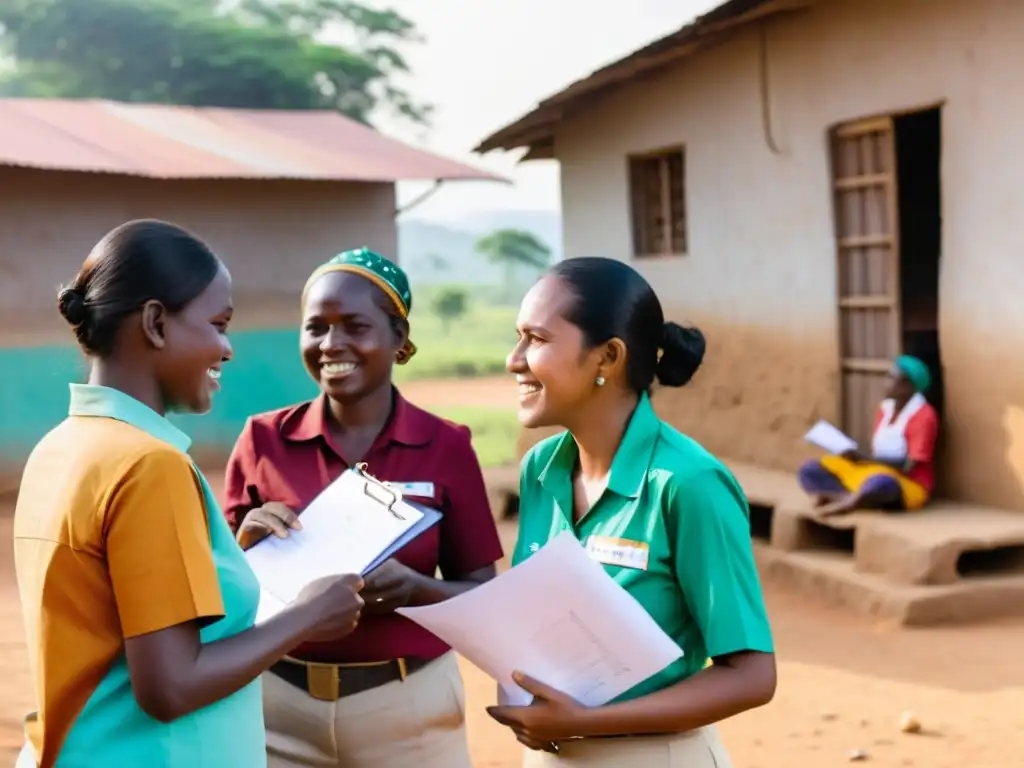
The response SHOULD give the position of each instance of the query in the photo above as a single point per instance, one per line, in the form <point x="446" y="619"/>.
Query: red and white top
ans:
<point x="908" y="435"/>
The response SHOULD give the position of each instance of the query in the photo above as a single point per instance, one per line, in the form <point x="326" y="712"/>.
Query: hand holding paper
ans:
<point x="390" y="586"/>
<point x="272" y="518"/>
<point x="338" y="605"/>
<point x="552" y="717"/>
<point x="353" y="526"/>
<point x="559" y="618"/>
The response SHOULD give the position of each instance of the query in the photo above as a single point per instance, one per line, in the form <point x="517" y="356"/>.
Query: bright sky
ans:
<point x="488" y="62"/>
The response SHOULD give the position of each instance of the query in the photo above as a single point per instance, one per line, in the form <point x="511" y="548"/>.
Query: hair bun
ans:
<point x="72" y="308"/>
<point x="682" y="353"/>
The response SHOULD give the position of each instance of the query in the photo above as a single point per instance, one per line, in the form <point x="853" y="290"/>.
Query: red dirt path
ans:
<point x="843" y="686"/>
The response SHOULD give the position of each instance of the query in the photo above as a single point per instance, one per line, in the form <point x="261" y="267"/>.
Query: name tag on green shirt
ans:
<point x="622" y="552"/>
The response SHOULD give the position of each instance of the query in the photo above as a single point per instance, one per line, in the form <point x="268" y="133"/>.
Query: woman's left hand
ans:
<point x="390" y="586"/>
<point x="552" y="717"/>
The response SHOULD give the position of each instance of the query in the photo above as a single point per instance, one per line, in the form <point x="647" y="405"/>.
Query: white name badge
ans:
<point x="622" y="552"/>
<point x="420" y="490"/>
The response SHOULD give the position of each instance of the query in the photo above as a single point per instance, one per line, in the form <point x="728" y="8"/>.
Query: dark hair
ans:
<point x="612" y="300"/>
<point x="138" y="262"/>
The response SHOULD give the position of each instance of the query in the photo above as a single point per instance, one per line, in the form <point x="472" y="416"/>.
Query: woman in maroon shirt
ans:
<point x="389" y="694"/>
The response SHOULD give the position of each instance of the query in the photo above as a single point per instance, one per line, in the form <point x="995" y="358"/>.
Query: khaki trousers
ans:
<point x="696" y="749"/>
<point x="415" y="723"/>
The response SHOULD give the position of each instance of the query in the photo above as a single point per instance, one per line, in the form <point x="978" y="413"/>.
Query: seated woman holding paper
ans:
<point x="666" y="519"/>
<point x="139" y="606"/>
<point x="390" y="694"/>
<point x="900" y="473"/>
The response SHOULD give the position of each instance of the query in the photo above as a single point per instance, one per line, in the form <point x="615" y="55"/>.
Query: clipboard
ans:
<point x="352" y="526"/>
<point x="389" y="495"/>
<point x="431" y="517"/>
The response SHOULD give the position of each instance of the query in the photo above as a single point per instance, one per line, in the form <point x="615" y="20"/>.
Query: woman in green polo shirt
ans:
<point x="665" y="518"/>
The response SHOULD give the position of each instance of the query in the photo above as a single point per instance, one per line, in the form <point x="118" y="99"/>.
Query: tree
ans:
<point x="514" y="249"/>
<point x="261" y="54"/>
<point x="449" y="304"/>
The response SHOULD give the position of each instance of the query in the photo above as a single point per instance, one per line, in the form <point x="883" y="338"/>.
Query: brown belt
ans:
<point x="330" y="682"/>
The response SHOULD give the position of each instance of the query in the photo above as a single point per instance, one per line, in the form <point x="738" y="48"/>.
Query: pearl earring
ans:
<point x="599" y="381"/>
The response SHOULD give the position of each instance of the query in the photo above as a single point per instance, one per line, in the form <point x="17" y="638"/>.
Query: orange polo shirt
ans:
<point x="111" y="542"/>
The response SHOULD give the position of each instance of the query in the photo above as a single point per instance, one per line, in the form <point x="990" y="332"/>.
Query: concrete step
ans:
<point x="833" y="578"/>
<point x="941" y="544"/>
<point x="944" y="544"/>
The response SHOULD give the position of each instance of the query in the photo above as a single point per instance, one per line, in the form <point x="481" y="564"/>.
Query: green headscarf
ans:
<point x="916" y="371"/>
<point x="383" y="273"/>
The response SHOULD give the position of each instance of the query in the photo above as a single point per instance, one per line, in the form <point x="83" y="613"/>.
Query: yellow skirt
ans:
<point x="853" y="474"/>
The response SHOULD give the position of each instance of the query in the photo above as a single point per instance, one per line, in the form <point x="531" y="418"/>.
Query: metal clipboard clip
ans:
<point x="376" y="489"/>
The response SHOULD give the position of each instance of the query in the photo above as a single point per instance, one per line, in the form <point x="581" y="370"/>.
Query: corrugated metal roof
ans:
<point x="536" y="129"/>
<point x="168" y="142"/>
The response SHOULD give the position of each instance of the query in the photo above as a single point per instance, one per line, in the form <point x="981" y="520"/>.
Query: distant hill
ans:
<point x="435" y="252"/>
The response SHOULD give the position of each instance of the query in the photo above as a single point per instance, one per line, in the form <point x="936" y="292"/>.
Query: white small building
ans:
<point x="819" y="185"/>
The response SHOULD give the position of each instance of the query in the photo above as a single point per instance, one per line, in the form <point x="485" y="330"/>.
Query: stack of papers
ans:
<point x="346" y="529"/>
<point x="558" y="617"/>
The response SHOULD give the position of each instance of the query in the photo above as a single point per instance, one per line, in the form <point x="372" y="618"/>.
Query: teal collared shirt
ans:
<point x="112" y="730"/>
<point x="672" y="527"/>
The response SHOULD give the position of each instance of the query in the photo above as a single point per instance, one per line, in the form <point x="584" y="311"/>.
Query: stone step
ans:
<point x="942" y="544"/>
<point x="832" y="578"/>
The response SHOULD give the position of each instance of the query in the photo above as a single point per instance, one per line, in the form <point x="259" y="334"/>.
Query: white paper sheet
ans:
<point x="269" y="606"/>
<point x="831" y="438"/>
<point x="344" y="530"/>
<point x="559" y="618"/>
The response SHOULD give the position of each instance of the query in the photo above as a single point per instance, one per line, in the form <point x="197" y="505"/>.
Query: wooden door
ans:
<point x="867" y="246"/>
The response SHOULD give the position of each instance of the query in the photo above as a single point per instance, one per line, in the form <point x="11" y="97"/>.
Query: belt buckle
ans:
<point x="323" y="681"/>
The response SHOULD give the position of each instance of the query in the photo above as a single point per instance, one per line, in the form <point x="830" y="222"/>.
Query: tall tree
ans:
<point x="267" y="54"/>
<point x="514" y="249"/>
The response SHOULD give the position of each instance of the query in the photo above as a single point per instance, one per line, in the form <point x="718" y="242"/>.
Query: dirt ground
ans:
<point x="843" y="683"/>
<point x="491" y="392"/>
<point x="843" y="687"/>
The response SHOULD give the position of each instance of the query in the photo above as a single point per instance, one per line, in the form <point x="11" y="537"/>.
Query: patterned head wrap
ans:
<point x="385" y="274"/>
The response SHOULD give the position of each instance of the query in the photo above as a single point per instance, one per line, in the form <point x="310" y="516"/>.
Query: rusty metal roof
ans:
<point x="168" y="142"/>
<point x="536" y="129"/>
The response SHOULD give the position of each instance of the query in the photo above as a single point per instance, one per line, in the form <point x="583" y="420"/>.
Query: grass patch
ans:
<point x="475" y="345"/>
<point x="495" y="431"/>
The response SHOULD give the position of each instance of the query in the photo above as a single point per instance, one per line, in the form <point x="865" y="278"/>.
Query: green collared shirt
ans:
<point x="673" y="528"/>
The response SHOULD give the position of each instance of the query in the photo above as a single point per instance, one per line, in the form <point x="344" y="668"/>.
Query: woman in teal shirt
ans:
<point x="665" y="518"/>
<point x="139" y="605"/>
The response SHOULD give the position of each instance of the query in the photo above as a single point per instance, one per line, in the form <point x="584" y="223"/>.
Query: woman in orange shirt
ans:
<point x="139" y="606"/>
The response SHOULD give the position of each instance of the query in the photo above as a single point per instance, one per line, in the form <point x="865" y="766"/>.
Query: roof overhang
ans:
<point x="164" y="142"/>
<point x="536" y="129"/>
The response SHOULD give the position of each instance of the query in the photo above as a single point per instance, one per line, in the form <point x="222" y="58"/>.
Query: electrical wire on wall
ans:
<point x="764" y="84"/>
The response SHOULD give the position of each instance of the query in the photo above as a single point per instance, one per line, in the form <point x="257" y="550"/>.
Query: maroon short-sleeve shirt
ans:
<point x="288" y="457"/>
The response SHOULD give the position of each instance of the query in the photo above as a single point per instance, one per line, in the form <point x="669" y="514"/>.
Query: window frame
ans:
<point x="640" y="163"/>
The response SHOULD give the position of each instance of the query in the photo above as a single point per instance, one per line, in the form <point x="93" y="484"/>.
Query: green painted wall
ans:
<point x="266" y="373"/>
